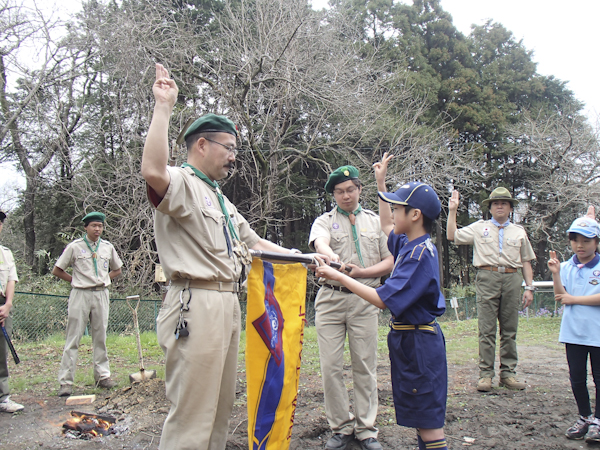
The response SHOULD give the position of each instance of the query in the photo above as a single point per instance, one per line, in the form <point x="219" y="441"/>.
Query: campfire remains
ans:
<point x="87" y="425"/>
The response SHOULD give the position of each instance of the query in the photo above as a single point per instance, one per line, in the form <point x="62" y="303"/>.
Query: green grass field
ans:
<point x="40" y="360"/>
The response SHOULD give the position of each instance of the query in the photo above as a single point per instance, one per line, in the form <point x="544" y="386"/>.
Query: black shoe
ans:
<point x="370" y="444"/>
<point x="65" y="390"/>
<point x="338" y="441"/>
<point x="106" y="383"/>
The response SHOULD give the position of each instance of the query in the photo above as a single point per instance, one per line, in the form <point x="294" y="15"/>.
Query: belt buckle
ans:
<point x="501" y="269"/>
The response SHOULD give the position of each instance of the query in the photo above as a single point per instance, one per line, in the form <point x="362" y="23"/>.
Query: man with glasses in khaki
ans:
<point x="351" y="235"/>
<point x="202" y="242"/>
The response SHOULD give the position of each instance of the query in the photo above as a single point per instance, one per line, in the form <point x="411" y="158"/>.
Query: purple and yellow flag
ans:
<point x="275" y="318"/>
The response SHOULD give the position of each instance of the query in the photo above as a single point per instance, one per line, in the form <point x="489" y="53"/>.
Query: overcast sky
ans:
<point x="562" y="34"/>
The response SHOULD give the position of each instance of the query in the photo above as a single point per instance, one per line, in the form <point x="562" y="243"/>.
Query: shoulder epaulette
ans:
<point x="370" y="213"/>
<point x="517" y="225"/>
<point x="418" y="251"/>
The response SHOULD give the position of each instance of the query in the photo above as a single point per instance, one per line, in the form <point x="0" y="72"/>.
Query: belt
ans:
<point x="498" y="269"/>
<point x="93" y="288"/>
<point x="399" y="326"/>
<point x="222" y="286"/>
<point x="338" y="288"/>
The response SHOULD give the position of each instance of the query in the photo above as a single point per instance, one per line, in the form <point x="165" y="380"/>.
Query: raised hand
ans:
<point x="380" y="168"/>
<point x="591" y="212"/>
<point x="553" y="263"/>
<point x="453" y="201"/>
<point x="165" y="89"/>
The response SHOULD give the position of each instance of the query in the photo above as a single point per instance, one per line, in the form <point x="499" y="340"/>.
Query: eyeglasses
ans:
<point x="230" y="148"/>
<point x="349" y="191"/>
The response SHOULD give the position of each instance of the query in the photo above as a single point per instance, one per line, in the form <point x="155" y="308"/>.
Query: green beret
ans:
<point x="340" y="175"/>
<point x="93" y="217"/>
<point x="211" y="123"/>
<point x="500" y="193"/>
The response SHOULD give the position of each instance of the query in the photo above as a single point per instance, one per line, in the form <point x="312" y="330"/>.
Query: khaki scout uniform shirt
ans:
<point x="78" y="255"/>
<point x="189" y="230"/>
<point x="8" y="270"/>
<point x="484" y="236"/>
<point x="336" y="226"/>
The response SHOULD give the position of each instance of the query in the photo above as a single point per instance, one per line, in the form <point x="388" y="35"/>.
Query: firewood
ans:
<point x="81" y="399"/>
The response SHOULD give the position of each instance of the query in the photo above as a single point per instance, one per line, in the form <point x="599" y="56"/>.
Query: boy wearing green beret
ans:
<point x="95" y="263"/>
<point x="202" y="243"/>
<point x="352" y="235"/>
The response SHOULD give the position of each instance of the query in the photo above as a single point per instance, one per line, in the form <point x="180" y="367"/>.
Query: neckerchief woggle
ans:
<point x="228" y="223"/>
<point x="93" y="250"/>
<point x="354" y="233"/>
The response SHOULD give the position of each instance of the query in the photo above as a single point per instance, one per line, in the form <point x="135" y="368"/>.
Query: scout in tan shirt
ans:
<point x="95" y="263"/>
<point x="352" y="235"/>
<point x="500" y="249"/>
<point x="8" y="279"/>
<point x="202" y="244"/>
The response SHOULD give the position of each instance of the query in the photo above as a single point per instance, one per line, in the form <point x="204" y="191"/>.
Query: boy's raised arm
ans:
<point x="385" y="212"/>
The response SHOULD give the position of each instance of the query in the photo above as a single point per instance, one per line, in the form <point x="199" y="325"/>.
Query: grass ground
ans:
<point x="461" y="341"/>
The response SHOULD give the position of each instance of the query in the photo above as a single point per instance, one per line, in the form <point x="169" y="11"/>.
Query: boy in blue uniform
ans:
<point x="412" y="293"/>
<point x="577" y="286"/>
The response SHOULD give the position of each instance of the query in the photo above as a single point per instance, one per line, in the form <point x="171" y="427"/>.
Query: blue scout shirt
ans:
<point x="412" y="292"/>
<point x="581" y="323"/>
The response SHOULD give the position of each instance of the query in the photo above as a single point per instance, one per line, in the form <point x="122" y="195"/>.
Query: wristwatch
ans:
<point x="530" y="288"/>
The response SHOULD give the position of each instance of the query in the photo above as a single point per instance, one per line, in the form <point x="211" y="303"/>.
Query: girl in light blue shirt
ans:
<point x="577" y="286"/>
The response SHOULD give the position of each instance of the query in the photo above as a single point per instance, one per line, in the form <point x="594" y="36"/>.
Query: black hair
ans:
<point x="356" y="182"/>
<point x="573" y="237"/>
<point x="193" y="138"/>
<point x="427" y="222"/>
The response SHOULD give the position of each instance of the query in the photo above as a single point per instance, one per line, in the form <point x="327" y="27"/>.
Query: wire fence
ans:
<point x="38" y="316"/>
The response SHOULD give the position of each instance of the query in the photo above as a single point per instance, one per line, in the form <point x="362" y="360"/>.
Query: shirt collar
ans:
<point x="498" y="224"/>
<point x="589" y="264"/>
<point x="409" y="246"/>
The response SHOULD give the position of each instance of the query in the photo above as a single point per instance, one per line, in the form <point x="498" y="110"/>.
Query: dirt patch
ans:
<point x="502" y="419"/>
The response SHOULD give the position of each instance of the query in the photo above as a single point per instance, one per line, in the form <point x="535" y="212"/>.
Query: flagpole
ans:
<point x="289" y="257"/>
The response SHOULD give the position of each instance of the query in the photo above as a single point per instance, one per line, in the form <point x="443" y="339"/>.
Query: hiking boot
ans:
<point x="338" y="441"/>
<point x="593" y="433"/>
<point x="512" y="383"/>
<point x="106" y="383"/>
<point x="580" y="428"/>
<point x="484" y="384"/>
<point x="370" y="444"/>
<point x="65" y="390"/>
<point x="11" y="407"/>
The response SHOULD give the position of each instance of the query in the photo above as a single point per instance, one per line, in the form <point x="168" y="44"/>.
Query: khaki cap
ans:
<point x="500" y="193"/>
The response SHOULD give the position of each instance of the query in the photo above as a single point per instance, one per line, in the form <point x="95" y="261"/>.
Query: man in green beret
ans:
<point x="500" y="250"/>
<point x="8" y="280"/>
<point x="202" y="243"/>
<point x="352" y="235"/>
<point x="95" y="263"/>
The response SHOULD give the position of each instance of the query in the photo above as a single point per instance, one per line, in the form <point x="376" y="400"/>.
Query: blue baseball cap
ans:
<point x="586" y="227"/>
<point x="416" y="195"/>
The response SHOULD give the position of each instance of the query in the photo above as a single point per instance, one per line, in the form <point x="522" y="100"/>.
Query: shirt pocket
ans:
<point x="512" y="249"/>
<point x="214" y="234"/>
<point x="369" y="243"/>
<point x="4" y="274"/>
<point x="339" y="241"/>
<point x="488" y="246"/>
<point x="84" y="264"/>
